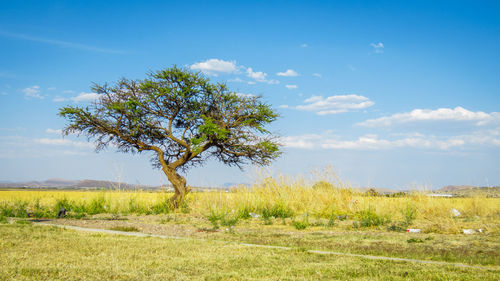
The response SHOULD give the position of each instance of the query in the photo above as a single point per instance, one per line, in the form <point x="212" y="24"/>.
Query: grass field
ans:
<point x="274" y="212"/>
<point x="30" y="252"/>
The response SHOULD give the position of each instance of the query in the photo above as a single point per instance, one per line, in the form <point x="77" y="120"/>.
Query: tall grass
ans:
<point x="270" y="198"/>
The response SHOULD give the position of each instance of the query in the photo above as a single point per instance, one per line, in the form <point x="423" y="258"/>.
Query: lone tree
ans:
<point x="182" y="118"/>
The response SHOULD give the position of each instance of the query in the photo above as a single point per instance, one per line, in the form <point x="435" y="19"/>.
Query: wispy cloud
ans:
<point x="318" y="75"/>
<point x="378" y="48"/>
<point x="457" y="114"/>
<point x="215" y="66"/>
<point x="260" y="76"/>
<point x="85" y="97"/>
<point x="32" y="92"/>
<point x="373" y="142"/>
<point x="53" y="131"/>
<point x="64" y="44"/>
<point x="64" y="142"/>
<point x="304" y="45"/>
<point x="334" y="104"/>
<point x="291" y="87"/>
<point x="288" y="73"/>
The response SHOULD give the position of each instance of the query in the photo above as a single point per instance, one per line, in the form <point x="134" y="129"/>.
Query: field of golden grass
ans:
<point x="273" y="198"/>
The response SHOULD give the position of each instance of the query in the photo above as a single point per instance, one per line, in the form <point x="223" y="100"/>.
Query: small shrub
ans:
<point x="6" y="210"/>
<point x="277" y="211"/>
<point x="409" y="214"/>
<point x="61" y="203"/>
<point x="97" y="205"/>
<point x="244" y="213"/>
<point x="3" y="219"/>
<point x="162" y="207"/>
<point x="214" y="217"/>
<point x="368" y="218"/>
<point x="300" y="225"/>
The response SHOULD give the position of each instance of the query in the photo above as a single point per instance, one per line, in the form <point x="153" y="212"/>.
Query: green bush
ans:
<point x="97" y="205"/>
<point x="368" y="218"/>
<point x="300" y="225"/>
<point x="409" y="214"/>
<point x="278" y="210"/>
<point x="162" y="207"/>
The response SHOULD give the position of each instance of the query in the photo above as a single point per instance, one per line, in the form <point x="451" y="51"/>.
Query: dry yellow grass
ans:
<point x="295" y="198"/>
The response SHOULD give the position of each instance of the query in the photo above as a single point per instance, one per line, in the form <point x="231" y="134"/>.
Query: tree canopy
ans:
<point x="182" y="118"/>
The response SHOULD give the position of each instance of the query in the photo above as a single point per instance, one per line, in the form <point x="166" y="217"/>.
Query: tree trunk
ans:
<point x="179" y="184"/>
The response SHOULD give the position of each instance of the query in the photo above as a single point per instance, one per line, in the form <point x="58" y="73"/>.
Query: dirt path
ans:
<point x="139" y="234"/>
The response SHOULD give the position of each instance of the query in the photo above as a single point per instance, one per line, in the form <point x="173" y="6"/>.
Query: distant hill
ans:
<point x="467" y="190"/>
<point x="74" y="184"/>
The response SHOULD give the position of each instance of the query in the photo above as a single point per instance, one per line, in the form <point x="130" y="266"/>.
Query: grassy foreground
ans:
<point x="30" y="252"/>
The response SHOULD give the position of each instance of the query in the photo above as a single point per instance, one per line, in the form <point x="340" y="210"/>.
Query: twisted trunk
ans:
<point x="179" y="184"/>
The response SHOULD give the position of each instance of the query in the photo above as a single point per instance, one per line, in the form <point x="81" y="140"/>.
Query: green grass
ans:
<point x="30" y="252"/>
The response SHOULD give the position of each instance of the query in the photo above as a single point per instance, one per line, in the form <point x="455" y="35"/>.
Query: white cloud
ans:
<point x="457" y="114"/>
<point x="257" y="75"/>
<point x="53" y="131"/>
<point x="32" y="92"/>
<point x="288" y="73"/>
<point x="335" y="104"/>
<point x="64" y="142"/>
<point x="215" y="66"/>
<point x="378" y="47"/>
<point x="318" y="75"/>
<point x="373" y="142"/>
<point x="308" y="141"/>
<point x="291" y="87"/>
<point x="85" y="97"/>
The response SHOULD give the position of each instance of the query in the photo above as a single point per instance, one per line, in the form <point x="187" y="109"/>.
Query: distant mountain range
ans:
<point x="101" y="184"/>
<point x="74" y="184"/>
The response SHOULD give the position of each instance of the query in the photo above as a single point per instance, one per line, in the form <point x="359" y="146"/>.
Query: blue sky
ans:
<point x="388" y="93"/>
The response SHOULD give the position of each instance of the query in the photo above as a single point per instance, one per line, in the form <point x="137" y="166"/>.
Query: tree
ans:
<point x="181" y="118"/>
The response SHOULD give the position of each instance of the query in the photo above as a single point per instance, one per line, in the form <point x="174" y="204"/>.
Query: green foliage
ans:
<point x="368" y="218"/>
<point x="409" y="214"/>
<point x="3" y="219"/>
<point x="162" y="207"/>
<point x="300" y="225"/>
<point x="415" y="240"/>
<point x="98" y="205"/>
<point x="278" y="210"/>
<point x="228" y="219"/>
